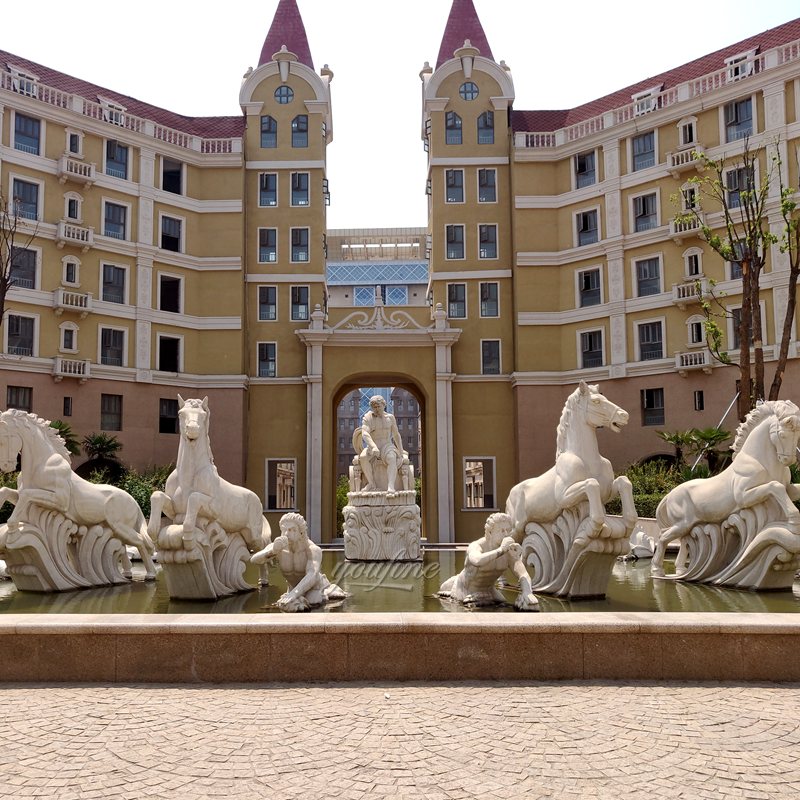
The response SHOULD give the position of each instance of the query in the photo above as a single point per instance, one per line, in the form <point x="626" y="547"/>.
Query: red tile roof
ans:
<point x="462" y="24"/>
<point x="287" y="29"/>
<point x="541" y="121"/>
<point x="204" y="127"/>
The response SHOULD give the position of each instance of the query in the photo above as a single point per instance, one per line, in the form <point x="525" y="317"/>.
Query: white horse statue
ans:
<point x="740" y="528"/>
<point x="214" y="524"/>
<point x="64" y="533"/>
<point x="560" y="516"/>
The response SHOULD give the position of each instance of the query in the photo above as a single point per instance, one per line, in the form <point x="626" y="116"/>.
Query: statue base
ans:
<point x="50" y="553"/>
<point x="206" y="565"/>
<point x="379" y="526"/>
<point x="569" y="559"/>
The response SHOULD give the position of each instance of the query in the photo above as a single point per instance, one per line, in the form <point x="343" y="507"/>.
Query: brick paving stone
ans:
<point x="600" y="741"/>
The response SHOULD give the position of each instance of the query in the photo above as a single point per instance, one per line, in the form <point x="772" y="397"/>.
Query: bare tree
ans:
<point x="16" y="234"/>
<point x="745" y="240"/>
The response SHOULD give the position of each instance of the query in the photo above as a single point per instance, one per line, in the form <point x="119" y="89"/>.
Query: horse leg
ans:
<point x="622" y="486"/>
<point x="57" y="500"/>
<point x="758" y="494"/>
<point x="199" y="503"/>
<point x="674" y="532"/>
<point x="160" y="503"/>
<point x="590" y="489"/>
<point x="127" y="567"/>
<point x="125" y="531"/>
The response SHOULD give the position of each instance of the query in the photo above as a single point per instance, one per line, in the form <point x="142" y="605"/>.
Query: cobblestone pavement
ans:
<point x="469" y="740"/>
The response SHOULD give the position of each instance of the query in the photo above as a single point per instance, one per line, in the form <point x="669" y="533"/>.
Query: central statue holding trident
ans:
<point x="382" y="442"/>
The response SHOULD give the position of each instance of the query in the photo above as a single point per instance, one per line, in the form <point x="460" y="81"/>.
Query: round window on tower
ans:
<point x="468" y="91"/>
<point x="284" y="95"/>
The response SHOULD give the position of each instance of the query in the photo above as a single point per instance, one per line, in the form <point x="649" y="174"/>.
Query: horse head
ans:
<point x="785" y="432"/>
<point x="599" y="411"/>
<point x="193" y="418"/>
<point x="10" y="444"/>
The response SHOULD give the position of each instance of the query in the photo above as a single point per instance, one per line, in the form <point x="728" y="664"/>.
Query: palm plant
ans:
<point x="101" y="446"/>
<point x="679" y="440"/>
<point x="70" y="439"/>
<point x="705" y="442"/>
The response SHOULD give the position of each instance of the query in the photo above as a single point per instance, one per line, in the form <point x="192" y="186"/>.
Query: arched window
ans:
<point x="269" y="132"/>
<point x="300" y="131"/>
<point x="453" y="126"/>
<point x="486" y="128"/>
<point x="284" y="95"/>
<point x="468" y="91"/>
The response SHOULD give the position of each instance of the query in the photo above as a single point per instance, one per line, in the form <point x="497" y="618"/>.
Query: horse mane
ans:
<point x="51" y="434"/>
<point x="563" y="424"/>
<point x="779" y="408"/>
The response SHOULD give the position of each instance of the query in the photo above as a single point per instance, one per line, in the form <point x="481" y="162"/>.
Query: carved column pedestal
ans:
<point x="382" y="527"/>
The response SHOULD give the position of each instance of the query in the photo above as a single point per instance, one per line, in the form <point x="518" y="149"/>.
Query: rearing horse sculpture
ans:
<point x="215" y="524"/>
<point x="561" y="514"/>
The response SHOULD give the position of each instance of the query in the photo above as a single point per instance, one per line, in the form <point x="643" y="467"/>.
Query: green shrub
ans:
<point x="342" y="488"/>
<point x="7" y="479"/>
<point x="646" y="504"/>
<point x="141" y="487"/>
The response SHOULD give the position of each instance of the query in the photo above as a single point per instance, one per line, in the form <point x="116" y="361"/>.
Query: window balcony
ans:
<point x="680" y="229"/>
<point x="71" y="169"/>
<point x="685" y="160"/>
<point x="696" y="360"/>
<point x="75" y="235"/>
<point x="71" y="368"/>
<point x="66" y="300"/>
<point x="685" y="294"/>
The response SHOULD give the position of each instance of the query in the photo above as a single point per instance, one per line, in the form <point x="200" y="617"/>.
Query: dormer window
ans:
<point x="646" y="101"/>
<point x="284" y="95"/>
<point x="742" y="65"/>
<point x="113" y="112"/>
<point x="468" y="91"/>
<point x="23" y="82"/>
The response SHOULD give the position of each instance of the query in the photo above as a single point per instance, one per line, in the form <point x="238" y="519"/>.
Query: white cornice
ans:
<point x="286" y="277"/>
<point x="299" y="164"/>
<point x="472" y="161"/>
<point x="277" y="381"/>
<point x="484" y="275"/>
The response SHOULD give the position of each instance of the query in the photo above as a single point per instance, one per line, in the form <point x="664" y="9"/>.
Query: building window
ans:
<point x="169" y="295"/>
<point x="490" y="305"/>
<point x="351" y="406"/>
<point x="23" y="83"/>
<point x="591" y="349"/>
<point x="644" y="151"/>
<point x="479" y="483"/>
<point x="26" y="134"/>
<point x="739" y="181"/>
<point x="300" y="303"/>
<point x="699" y="402"/>
<point x="363" y="296"/>
<point x="74" y="145"/>
<point x="651" y="345"/>
<point x="585" y="174"/>
<point x="69" y="337"/>
<point x="171" y="176"/>
<point x="115" y="220"/>
<point x="488" y="241"/>
<point x="299" y="244"/>
<point x="490" y="357"/>
<point x="736" y="266"/>
<point x="468" y="91"/>
<point x="267" y="245"/>
<point x="736" y="326"/>
<point x="113" y="113"/>
<point x="116" y="159"/>
<point x="299" y="188"/>
<point x="487" y="186"/>
<point x="457" y="300"/>
<point x="455" y="241"/>
<point x="587" y="227"/>
<point x="648" y="277"/>
<point x="167" y="416"/>
<point x="696" y="332"/>
<point x="171" y="234"/>
<point x="693" y="264"/>
<point x="19" y="397"/>
<point x="113" y="284"/>
<point x="267" y="303"/>
<point x="67" y="409"/>
<point x="269" y="132"/>
<point x="70" y="272"/>
<point x="454" y="180"/>
<point x="396" y="296"/>
<point x="281" y="479"/>
<point x="688" y="131"/>
<point x="268" y="186"/>
<point x="267" y="360"/>
<point x="452" y="124"/>
<point x="111" y="412"/>
<point x="644" y="210"/>
<point x="73" y="208"/>
<point x="300" y="131"/>
<point x="486" y="128"/>
<point x="20" y="335"/>
<point x="26" y="199"/>
<point x="689" y="198"/>
<point x="284" y="95"/>
<point x="23" y="268"/>
<point x="169" y="354"/>
<point x="738" y="120"/>
<point x="589" y="288"/>
<point x="652" y="406"/>
<point x="112" y="347"/>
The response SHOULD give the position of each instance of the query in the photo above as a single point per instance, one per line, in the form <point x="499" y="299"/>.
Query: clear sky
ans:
<point x="190" y="57"/>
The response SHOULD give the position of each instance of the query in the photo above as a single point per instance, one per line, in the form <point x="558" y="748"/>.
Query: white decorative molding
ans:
<point x="616" y="279"/>
<point x="144" y="280"/>
<point x="146" y="220"/>
<point x="469" y="162"/>
<point x="142" y="345"/>
<point x="273" y="165"/>
<point x="618" y="339"/>
<point x="291" y="277"/>
<point x="475" y="274"/>
<point x="613" y="216"/>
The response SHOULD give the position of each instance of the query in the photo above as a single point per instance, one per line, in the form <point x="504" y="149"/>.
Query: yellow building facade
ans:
<point x="159" y="254"/>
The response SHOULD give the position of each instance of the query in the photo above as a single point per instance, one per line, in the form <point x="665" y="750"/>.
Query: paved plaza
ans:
<point x="470" y="740"/>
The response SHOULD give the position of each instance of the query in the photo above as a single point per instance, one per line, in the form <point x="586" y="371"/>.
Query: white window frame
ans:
<point x="573" y="171"/>
<point x="682" y="143"/>
<point x="73" y="132"/>
<point x="125" y="339"/>
<point x="68" y="326"/>
<point x="736" y="167"/>
<point x="629" y="151"/>
<point x="500" y="355"/>
<point x="299" y="172"/>
<point x="258" y="368"/>
<point x="77" y="262"/>
<point x="72" y="196"/>
<point x="129" y="174"/>
<point x="291" y="252"/>
<point x="578" y="273"/>
<point x="635" y="274"/>
<point x="164" y="335"/>
<point x="111" y="108"/>
<point x="19" y="74"/>
<point x="42" y="132"/>
<point x="277" y="190"/>
<point x="12" y="176"/>
<point x="496" y="240"/>
<point x="160" y="274"/>
<point x="182" y="220"/>
<point x="310" y="309"/>
<point x="637" y="324"/>
<point x="466" y="298"/>
<point x="104" y="201"/>
<point x="277" y="238"/>
<point x="641" y="100"/>
<point x="126" y="267"/>
<point x="463" y="242"/>
<point x="480" y="302"/>
<point x="693" y="251"/>
<point x="183" y="176"/>
<point x="277" y="301"/>
<point x="723" y="128"/>
<point x="266" y="484"/>
<point x="733" y="62"/>
<point x="16" y="313"/>
<point x="464" y="460"/>
<point x="693" y="320"/>
<point x="37" y="281"/>
<point x="652" y="190"/>
<point x="463" y="186"/>
<point x="578" y="345"/>
<point x="575" y="215"/>
<point x="478" y="186"/>
<point x="685" y="208"/>
<point x="730" y="331"/>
